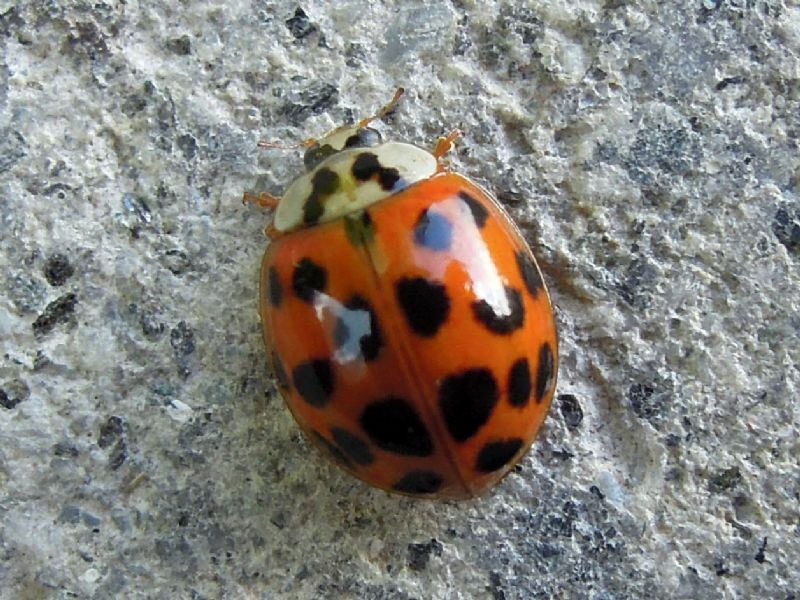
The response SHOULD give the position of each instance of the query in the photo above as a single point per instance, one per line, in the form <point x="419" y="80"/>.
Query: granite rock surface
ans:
<point x="648" y="150"/>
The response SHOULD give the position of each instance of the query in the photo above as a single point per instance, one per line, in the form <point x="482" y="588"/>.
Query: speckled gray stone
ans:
<point x="649" y="151"/>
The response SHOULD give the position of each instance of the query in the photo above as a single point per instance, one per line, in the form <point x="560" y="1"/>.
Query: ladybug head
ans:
<point x="349" y="136"/>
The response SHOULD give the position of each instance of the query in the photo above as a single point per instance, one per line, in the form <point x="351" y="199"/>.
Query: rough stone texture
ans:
<point x="650" y="151"/>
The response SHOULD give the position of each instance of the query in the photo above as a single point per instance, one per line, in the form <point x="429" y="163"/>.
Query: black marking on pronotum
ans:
<point x="323" y="183"/>
<point x="366" y="166"/>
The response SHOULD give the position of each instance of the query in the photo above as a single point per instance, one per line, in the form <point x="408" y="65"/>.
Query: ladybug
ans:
<point x="405" y="318"/>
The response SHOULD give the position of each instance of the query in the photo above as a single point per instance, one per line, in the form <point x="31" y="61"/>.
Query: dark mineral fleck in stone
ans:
<point x="6" y="402"/>
<point x="725" y="480"/>
<point x="314" y="100"/>
<point x="110" y="431"/>
<point x="646" y="401"/>
<point x="419" y="554"/>
<point x="57" y="312"/>
<point x="181" y="338"/>
<point x="299" y="25"/>
<point x="118" y="455"/>
<point x="57" y="270"/>
<point x="786" y="227"/>
<point x="182" y="46"/>
<point x="571" y="410"/>
<point x="65" y="449"/>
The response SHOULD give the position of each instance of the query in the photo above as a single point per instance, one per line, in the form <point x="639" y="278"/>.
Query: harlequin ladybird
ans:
<point x="406" y="320"/>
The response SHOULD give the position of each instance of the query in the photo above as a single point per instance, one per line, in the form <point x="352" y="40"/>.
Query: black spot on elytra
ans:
<point x="58" y="311"/>
<point x="352" y="446"/>
<point x="571" y="410"/>
<point x="323" y="183"/>
<point x="467" y="400"/>
<point x="275" y="289"/>
<point x="393" y="425"/>
<point x="308" y="279"/>
<point x="479" y="212"/>
<point x="419" y="554"/>
<point x="280" y="372"/>
<point x="519" y="383"/>
<point x="57" y="270"/>
<point x="332" y="449"/>
<point x="544" y="372"/>
<point x="786" y="227"/>
<point x="530" y="274"/>
<point x="366" y="166"/>
<point x="433" y="231"/>
<point x="313" y="380"/>
<point x="358" y="324"/>
<point x="505" y="322"/>
<point x="424" y="303"/>
<point x="419" y="482"/>
<point x="496" y="455"/>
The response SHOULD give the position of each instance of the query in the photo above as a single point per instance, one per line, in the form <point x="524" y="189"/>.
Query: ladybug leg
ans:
<point x="445" y="144"/>
<point x="263" y="199"/>
<point x="271" y="232"/>
<point x="279" y="146"/>
<point x="385" y="110"/>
